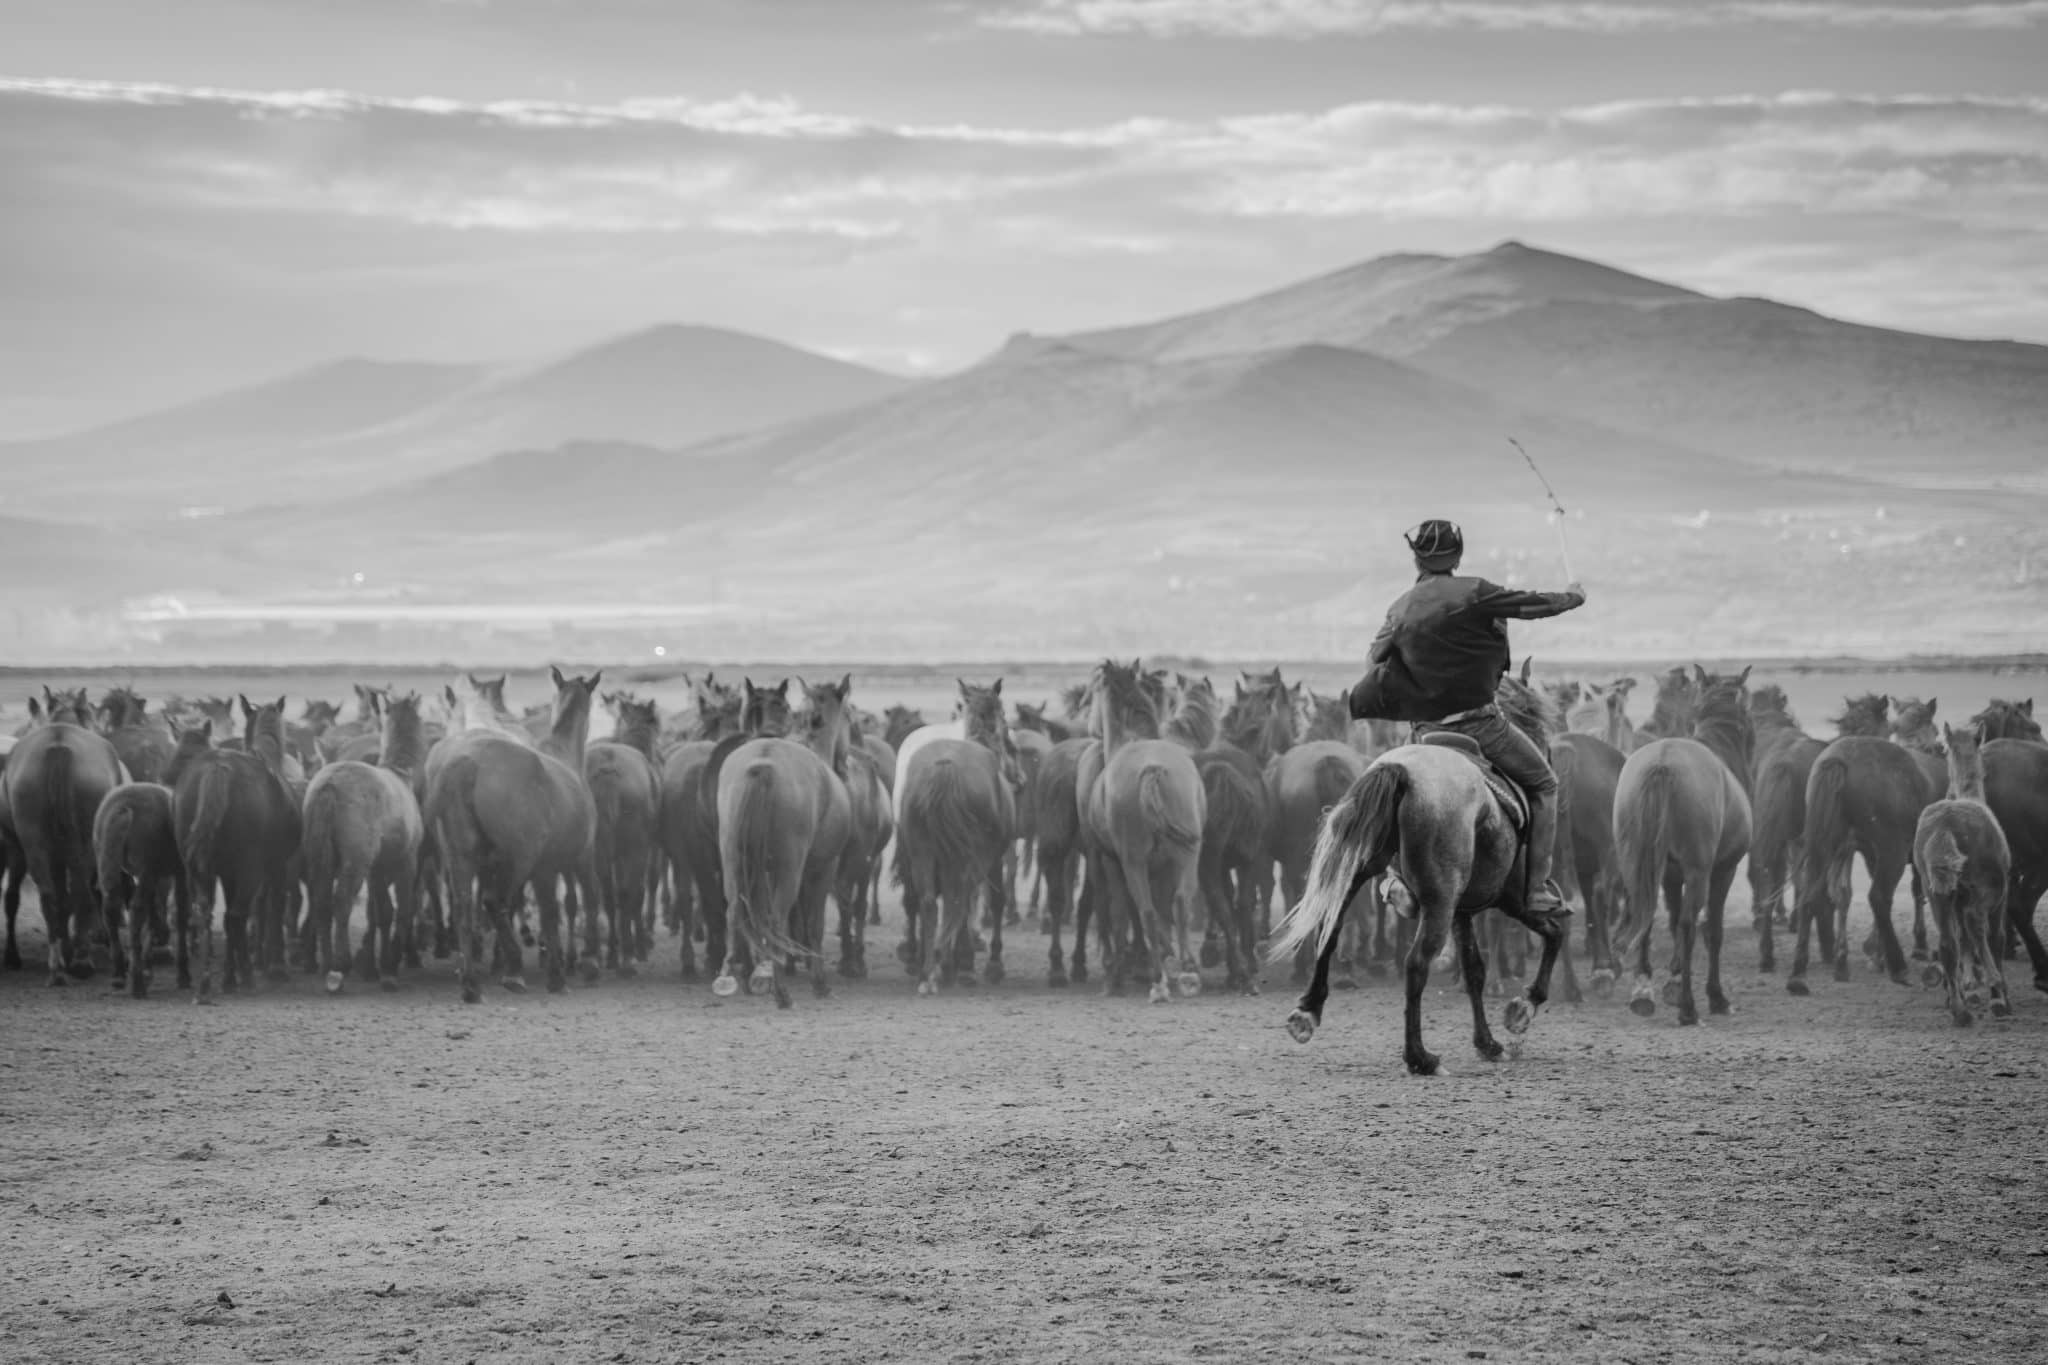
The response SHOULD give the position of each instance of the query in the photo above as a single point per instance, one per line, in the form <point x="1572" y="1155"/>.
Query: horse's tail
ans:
<point x="1358" y="839"/>
<point x="750" y="869"/>
<point x="1780" y="818"/>
<point x="320" y="840"/>
<point x="209" y="816"/>
<point x="450" y="795"/>
<point x="1166" y="812"/>
<point x="1642" y="836"/>
<point x="1943" y="861"/>
<point x="111" y="832"/>
<point x="60" y="805"/>
<point x="952" y="828"/>
<point x="1236" y="815"/>
<point x="1829" y="840"/>
<point x="1332" y="778"/>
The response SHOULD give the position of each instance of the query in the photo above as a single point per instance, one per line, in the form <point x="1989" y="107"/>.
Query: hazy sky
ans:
<point x="208" y="192"/>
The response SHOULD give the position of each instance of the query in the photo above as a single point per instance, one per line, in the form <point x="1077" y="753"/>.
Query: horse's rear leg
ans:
<point x="1977" y="935"/>
<point x="1693" y="904"/>
<point x="1430" y="932"/>
<point x="1717" y="918"/>
<point x="1308" y="1010"/>
<point x="1884" y="886"/>
<point x="549" y="898"/>
<point x="12" y="868"/>
<point x="1472" y="962"/>
<point x="1005" y="891"/>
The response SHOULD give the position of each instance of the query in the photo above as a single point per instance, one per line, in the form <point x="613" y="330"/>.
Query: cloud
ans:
<point x="217" y="225"/>
<point x="1322" y="18"/>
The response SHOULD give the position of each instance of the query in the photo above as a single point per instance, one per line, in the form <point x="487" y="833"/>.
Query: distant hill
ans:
<point x="1745" y="378"/>
<point x="333" y="430"/>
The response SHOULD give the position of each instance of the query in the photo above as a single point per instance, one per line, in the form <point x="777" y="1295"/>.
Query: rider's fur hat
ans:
<point x="1437" y="544"/>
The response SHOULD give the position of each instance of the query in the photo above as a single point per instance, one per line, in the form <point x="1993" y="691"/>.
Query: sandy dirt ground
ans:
<point x="638" y="1171"/>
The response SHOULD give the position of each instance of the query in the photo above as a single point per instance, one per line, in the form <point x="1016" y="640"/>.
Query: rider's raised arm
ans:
<point x="1518" y="605"/>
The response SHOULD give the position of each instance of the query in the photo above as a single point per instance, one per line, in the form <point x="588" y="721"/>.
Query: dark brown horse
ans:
<point x="508" y="816"/>
<point x="625" y="790"/>
<point x="238" y="827"/>
<point x="869" y="769"/>
<point x="143" y="741"/>
<point x="56" y="776"/>
<point x="1142" y="805"/>
<point x="135" y="845"/>
<point x="1961" y="856"/>
<point x="362" y="833"/>
<point x="784" y="819"/>
<point x="1682" y="824"/>
<point x="2016" y="789"/>
<point x="1782" y="765"/>
<point x="959" y="819"/>
<point x="1671" y="713"/>
<point x="1864" y="797"/>
<point x="1062" y="855"/>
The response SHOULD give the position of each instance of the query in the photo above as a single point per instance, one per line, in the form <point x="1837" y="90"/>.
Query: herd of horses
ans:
<point x="1151" y="811"/>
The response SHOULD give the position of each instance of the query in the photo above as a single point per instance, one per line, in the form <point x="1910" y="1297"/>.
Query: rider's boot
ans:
<point x="1543" y="899"/>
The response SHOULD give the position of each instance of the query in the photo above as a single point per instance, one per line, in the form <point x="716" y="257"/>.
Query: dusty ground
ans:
<point x="639" y="1172"/>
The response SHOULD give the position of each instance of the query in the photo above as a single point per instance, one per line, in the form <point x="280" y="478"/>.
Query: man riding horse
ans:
<point x="1438" y="661"/>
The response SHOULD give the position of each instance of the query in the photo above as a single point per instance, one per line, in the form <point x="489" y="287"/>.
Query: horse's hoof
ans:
<point x="1081" y="979"/>
<point x="820" y="987"/>
<point x="205" y="998"/>
<point x="2000" y="1010"/>
<point x="57" y="979"/>
<point x="993" y="973"/>
<point x="589" y="971"/>
<point x="388" y="985"/>
<point x="1671" y="991"/>
<point x="514" y="984"/>
<point x="1767" y="967"/>
<point x="1642" y="1006"/>
<point x="1603" y="984"/>
<point x="1719" y="1007"/>
<point x="138" y="989"/>
<point x="1842" y="971"/>
<point x="1301" y="1026"/>
<point x="782" y="1000"/>
<point x="1920" y="954"/>
<point x="1932" y="975"/>
<point x="1489" y="1051"/>
<point x="1797" y="986"/>
<point x="333" y="983"/>
<point x="1211" y="955"/>
<point x="1518" y="1015"/>
<point x="627" y="970"/>
<point x="724" y="984"/>
<point x="763" y="973"/>
<point x="2041" y="983"/>
<point x="1963" y="1018"/>
<point x="1159" y="994"/>
<point x="471" y="995"/>
<point x="161" y="957"/>
<point x="1421" y="1063"/>
<point x="1190" y="983"/>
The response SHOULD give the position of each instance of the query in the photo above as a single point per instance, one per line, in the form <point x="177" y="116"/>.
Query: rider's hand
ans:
<point x="1576" y="586"/>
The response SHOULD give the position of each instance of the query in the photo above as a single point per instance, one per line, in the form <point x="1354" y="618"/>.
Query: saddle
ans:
<point x="1514" y="802"/>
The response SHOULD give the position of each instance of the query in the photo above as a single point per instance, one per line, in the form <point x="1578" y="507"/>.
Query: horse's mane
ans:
<point x="981" y="715"/>
<point x="765" y="711"/>
<point x="1671" y="712"/>
<point x="1194" y="721"/>
<point x="1768" y="702"/>
<point x="636" y="723"/>
<point x="2006" y="720"/>
<point x="1864" y="715"/>
<point x="404" y="743"/>
<point x="1722" y="723"/>
<point x="1527" y="709"/>
<point x="1075" y="700"/>
<point x="1328" y="717"/>
<point x="1124" y="701"/>
<point x="1915" y="727"/>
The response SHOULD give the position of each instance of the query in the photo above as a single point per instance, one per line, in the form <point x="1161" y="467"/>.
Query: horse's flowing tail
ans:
<point x="111" y="854"/>
<point x="750" y="872"/>
<point x="1829" y="843"/>
<point x="952" y="829"/>
<point x="1359" y="837"/>
<point x="59" y="809"/>
<point x="208" y="816"/>
<point x="1236" y="809"/>
<point x="1167" y="814"/>
<point x="1642" y="836"/>
<point x="1779" y="795"/>
<point x="320" y="844"/>
<point x="1945" y="861"/>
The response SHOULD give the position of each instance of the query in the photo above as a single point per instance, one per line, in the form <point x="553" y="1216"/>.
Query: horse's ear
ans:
<point x="997" y="690"/>
<point x="2026" y="708"/>
<point x="556" y="674"/>
<point x="1932" y="702"/>
<point x="206" y="729"/>
<point x="595" y="679"/>
<point x="1742" y="678"/>
<point x="248" y="711"/>
<point x="35" y="708"/>
<point x="1525" y="671"/>
<point x="1699" y="675"/>
<point x="1884" y="703"/>
<point x="1948" y="736"/>
<point x="280" y="707"/>
<point x="782" y="688"/>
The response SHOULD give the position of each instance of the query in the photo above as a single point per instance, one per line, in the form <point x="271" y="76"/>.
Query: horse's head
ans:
<point x="1030" y="717"/>
<point x="68" y="706"/>
<point x="219" y="710"/>
<point x="823" y="724"/>
<point x="1866" y="715"/>
<point x="981" y="710"/>
<point x="369" y="702"/>
<point x="321" y="713"/>
<point x="1965" y="760"/>
<point x="1913" y="723"/>
<point x="404" y="728"/>
<point x="1768" y="703"/>
<point x="570" y="710"/>
<point x="1078" y="701"/>
<point x="764" y="711"/>
<point x="1125" y="706"/>
<point x="2008" y="720"/>
<point x="1527" y="709"/>
<point x="121" y="707"/>
<point x="635" y="721"/>
<point x="1329" y="717"/>
<point x="263" y="725"/>
<point x="899" y="722"/>
<point x="193" y="740"/>
<point x="492" y="690"/>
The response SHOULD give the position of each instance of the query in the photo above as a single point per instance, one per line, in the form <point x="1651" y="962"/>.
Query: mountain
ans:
<point x="335" y="429"/>
<point x="1747" y="378"/>
<point x="1241" y="503"/>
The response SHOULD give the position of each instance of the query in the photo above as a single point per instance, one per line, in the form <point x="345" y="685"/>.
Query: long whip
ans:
<point x="1556" y="507"/>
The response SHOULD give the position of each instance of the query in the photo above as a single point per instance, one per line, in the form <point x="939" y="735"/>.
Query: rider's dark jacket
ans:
<point x="1444" y="646"/>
